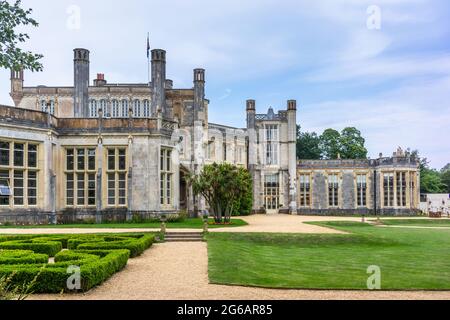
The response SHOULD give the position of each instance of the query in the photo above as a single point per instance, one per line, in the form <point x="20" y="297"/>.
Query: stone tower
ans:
<point x="16" y="86"/>
<point x="158" y="81"/>
<point x="199" y="94"/>
<point x="81" y="83"/>
<point x="292" y="154"/>
<point x="252" y="152"/>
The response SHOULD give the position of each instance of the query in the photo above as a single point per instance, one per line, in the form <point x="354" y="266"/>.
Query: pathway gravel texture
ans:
<point x="179" y="271"/>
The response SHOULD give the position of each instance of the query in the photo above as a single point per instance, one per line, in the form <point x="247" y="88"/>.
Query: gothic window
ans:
<point x="93" y="110"/>
<point x="166" y="174"/>
<point x="305" y="190"/>
<point x="124" y="109"/>
<point x="333" y="190"/>
<point x="103" y="104"/>
<point x="80" y="175"/>
<point x="116" y="173"/>
<point x="137" y="109"/>
<point x="48" y="106"/>
<point x="115" y="109"/>
<point x="18" y="174"/>
<point x="388" y="187"/>
<point x="361" y="190"/>
<point x="271" y="144"/>
<point x="146" y="109"/>
<point x="211" y="150"/>
<point x="401" y="189"/>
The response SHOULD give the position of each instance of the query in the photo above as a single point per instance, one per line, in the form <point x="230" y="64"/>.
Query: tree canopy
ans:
<point x="226" y="188"/>
<point x="12" y="17"/>
<point x="308" y="145"/>
<point x="348" y="144"/>
<point x="431" y="180"/>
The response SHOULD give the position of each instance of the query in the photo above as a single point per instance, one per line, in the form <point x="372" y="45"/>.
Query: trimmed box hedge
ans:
<point x="22" y="257"/>
<point x="98" y="256"/>
<point x="50" y="248"/>
<point x="52" y="278"/>
<point x="136" y="246"/>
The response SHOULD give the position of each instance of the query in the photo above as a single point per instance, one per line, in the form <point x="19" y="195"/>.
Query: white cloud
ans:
<point x="415" y="116"/>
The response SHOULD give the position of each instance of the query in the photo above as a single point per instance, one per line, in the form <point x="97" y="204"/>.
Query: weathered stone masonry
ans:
<point x="116" y="152"/>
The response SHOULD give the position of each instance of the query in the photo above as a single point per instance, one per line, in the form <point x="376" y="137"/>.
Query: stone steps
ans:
<point x="183" y="237"/>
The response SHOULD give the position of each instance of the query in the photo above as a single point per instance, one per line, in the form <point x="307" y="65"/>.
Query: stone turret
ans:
<point x="292" y="139"/>
<point x="16" y="86"/>
<point x="81" y="83"/>
<point x="159" y="81"/>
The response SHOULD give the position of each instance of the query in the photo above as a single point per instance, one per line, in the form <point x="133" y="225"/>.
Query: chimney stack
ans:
<point x="199" y="92"/>
<point x="100" y="81"/>
<point x="81" y="83"/>
<point x="16" y="86"/>
<point x="158" y="81"/>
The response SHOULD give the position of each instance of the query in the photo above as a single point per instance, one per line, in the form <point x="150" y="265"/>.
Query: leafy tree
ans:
<point x="330" y="144"/>
<point x="445" y="168"/>
<point x="430" y="179"/>
<point x="445" y="176"/>
<point x="431" y="182"/>
<point x="225" y="188"/>
<point x="308" y="145"/>
<point x="352" y="144"/>
<point x="12" y="16"/>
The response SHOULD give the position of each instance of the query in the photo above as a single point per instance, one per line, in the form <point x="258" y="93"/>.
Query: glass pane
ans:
<point x="32" y="156"/>
<point x="18" y="154"/>
<point x="111" y="159"/>
<point x="91" y="159"/>
<point x="4" y="153"/>
<point x="70" y="159"/>
<point x="169" y="161"/>
<point x="80" y="159"/>
<point x="122" y="159"/>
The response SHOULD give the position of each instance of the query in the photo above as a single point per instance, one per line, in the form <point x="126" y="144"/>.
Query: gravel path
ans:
<point x="178" y="271"/>
<point x="285" y="224"/>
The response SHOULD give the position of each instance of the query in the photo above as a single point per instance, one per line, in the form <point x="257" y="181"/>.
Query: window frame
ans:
<point x="305" y="190"/>
<point x="13" y="170"/>
<point x="362" y="189"/>
<point x="334" y="187"/>
<point x="271" y="144"/>
<point x="117" y="172"/>
<point x="166" y="173"/>
<point x="75" y="173"/>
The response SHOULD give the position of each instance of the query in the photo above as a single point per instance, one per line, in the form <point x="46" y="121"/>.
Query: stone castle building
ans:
<point x="113" y="151"/>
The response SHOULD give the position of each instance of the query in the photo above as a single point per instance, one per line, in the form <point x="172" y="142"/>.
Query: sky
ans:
<point x="382" y="66"/>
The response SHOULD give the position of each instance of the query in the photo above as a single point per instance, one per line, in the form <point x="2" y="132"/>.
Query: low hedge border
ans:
<point x="98" y="256"/>
<point x="95" y="268"/>
<point x="135" y="246"/>
<point x="50" y="248"/>
<point x="22" y="257"/>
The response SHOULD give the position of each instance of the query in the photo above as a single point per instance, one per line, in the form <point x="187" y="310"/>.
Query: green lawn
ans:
<point x="444" y="222"/>
<point x="409" y="258"/>
<point x="187" y="224"/>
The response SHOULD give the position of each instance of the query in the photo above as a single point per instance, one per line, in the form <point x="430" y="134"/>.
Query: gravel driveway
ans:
<point x="178" y="271"/>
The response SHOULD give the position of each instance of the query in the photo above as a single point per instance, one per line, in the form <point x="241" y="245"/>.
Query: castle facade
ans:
<point x="113" y="151"/>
